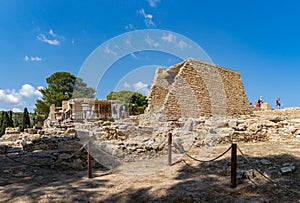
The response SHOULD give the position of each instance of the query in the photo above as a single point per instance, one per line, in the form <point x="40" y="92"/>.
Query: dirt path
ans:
<point x="187" y="181"/>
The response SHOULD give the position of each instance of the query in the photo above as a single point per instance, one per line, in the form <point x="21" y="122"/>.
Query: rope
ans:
<point x="41" y="165"/>
<point x="208" y="160"/>
<point x="266" y="177"/>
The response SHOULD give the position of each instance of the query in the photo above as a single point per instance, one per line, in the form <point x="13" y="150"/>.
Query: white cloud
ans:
<point x="51" y="32"/>
<point x="141" y="87"/>
<point x="151" y="42"/>
<point x="153" y="3"/>
<point x="40" y="87"/>
<point x="169" y="38"/>
<point x="181" y="44"/>
<point x="127" y="85"/>
<point x="128" y="42"/>
<point x="9" y="97"/>
<point x="16" y="97"/>
<point x="29" y="91"/>
<point x="147" y="18"/>
<point x="42" y="38"/>
<point x="51" y="38"/>
<point x="129" y="27"/>
<point x="36" y="58"/>
<point x="32" y="58"/>
<point x="16" y="109"/>
<point x="109" y="51"/>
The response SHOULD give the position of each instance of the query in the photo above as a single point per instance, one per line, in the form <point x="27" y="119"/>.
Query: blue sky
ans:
<point x="259" y="39"/>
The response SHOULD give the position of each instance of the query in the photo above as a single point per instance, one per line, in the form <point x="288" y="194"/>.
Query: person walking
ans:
<point x="278" y="104"/>
<point x="260" y="101"/>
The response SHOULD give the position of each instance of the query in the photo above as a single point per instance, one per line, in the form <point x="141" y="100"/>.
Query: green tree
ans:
<point x="81" y="90"/>
<point x="25" y="120"/>
<point x="136" y="101"/>
<point x="10" y="119"/>
<point x="60" y="87"/>
<point x="18" y="117"/>
<point x="4" y="122"/>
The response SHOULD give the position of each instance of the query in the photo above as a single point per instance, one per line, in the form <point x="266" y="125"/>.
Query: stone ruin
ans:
<point x="194" y="89"/>
<point x="183" y="100"/>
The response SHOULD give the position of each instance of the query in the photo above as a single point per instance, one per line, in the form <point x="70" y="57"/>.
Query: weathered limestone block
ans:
<point x="266" y="106"/>
<point x="68" y="146"/>
<point x="70" y="131"/>
<point x="41" y="132"/>
<point x="10" y="137"/>
<point x="30" y="131"/>
<point x="10" y="130"/>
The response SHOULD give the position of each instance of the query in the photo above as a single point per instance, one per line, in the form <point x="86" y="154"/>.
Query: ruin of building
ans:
<point x="194" y="89"/>
<point x="87" y="109"/>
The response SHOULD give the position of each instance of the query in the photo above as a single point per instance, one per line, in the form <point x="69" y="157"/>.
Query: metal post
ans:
<point x="233" y="164"/>
<point x="170" y="149"/>
<point x="89" y="159"/>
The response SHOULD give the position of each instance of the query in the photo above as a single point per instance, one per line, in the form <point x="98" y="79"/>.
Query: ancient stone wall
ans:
<point x="198" y="89"/>
<point x="236" y="99"/>
<point x="159" y="91"/>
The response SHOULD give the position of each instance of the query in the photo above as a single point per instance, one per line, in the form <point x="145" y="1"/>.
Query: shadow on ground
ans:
<point x="23" y="183"/>
<point x="203" y="182"/>
<point x="211" y="182"/>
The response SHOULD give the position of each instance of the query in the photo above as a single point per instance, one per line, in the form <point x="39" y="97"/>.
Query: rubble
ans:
<point x="127" y="141"/>
<point x="265" y="162"/>
<point x="287" y="168"/>
<point x="10" y="130"/>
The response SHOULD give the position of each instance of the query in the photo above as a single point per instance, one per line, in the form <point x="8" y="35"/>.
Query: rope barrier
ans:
<point x="195" y="159"/>
<point x="41" y="165"/>
<point x="266" y="177"/>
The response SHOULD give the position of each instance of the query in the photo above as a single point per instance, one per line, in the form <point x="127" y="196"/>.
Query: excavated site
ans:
<point x="203" y="106"/>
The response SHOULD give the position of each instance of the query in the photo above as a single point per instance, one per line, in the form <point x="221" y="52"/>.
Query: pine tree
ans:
<point x="62" y="86"/>
<point x="18" y="119"/>
<point x="26" y="119"/>
<point x="10" y="119"/>
<point x="1" y="123"/>
<point x="4" y="122"/>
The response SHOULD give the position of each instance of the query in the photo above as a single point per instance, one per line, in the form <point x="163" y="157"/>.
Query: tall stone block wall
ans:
<point x="236" y="99"/>
<point x="158" y="91"/>
<point x="190" y="95"/>
<point x="199" y="89"/>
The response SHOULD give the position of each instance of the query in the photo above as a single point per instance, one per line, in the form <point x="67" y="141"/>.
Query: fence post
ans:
<point x="233" y="164"/>
<point x="89" y="159"/>
<point x="170" y="149"/>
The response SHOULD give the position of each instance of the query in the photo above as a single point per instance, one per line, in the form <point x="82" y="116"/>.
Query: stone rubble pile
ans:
<point x="126" y="140"/>
<point x="59" y="143"/>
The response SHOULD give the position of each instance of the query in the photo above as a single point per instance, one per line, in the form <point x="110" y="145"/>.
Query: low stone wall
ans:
<point x="10" y="130"/>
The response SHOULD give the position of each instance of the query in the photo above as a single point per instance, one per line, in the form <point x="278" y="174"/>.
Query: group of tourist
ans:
<point x="259" y="102"/>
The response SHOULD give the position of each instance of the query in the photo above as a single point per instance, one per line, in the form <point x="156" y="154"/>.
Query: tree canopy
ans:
<point x="5" y="121"/>
<point x="62" y="86"/>
<point x="136" y="101"/>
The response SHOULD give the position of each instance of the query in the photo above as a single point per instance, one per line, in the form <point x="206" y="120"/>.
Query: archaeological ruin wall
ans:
<point x="194" y="88"/>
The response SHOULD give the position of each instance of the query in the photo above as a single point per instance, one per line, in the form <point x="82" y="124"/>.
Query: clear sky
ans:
<point x="259" y="39"/>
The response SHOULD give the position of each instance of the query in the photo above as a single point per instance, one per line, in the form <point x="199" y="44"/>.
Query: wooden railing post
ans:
<point x="233" y="164"/>
<point x="89" y="159"/>
<point x="170" y="149"/>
